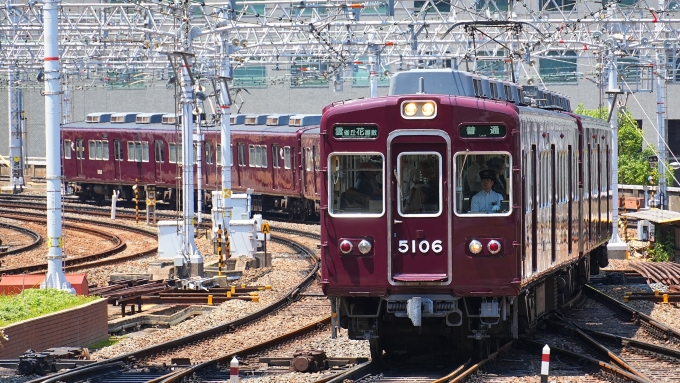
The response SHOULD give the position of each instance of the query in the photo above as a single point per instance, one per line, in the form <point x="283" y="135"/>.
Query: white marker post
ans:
<point x="545" y="364"/>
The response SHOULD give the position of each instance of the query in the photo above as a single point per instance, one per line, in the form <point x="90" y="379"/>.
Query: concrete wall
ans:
<point x="77" y="327"/>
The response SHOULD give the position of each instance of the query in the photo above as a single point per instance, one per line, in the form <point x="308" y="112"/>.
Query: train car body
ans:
<point x="267" y="159"/>
<point x="425" y="256"/>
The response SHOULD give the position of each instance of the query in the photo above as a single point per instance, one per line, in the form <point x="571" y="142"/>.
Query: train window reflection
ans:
<point x="482" y="183"/>
<point x="356" y="184"/>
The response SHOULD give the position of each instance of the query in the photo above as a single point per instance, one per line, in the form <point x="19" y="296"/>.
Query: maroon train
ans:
<point x="276" y="156"/>
<point x="411" y="258"/>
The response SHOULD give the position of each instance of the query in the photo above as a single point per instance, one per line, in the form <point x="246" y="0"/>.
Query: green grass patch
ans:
<point x="110" y="341"/>
<point x="33" y="303"/>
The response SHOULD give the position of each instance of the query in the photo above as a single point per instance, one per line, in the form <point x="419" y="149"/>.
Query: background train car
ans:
<point x="413" y="262"/>
<point x="116" y="151"/>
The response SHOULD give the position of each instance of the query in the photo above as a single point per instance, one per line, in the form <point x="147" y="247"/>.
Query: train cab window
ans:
<point x="286" y="157"/>
<point x="356" y="184"/>
<point x="80" y="149"/>
<point x="67" y="149"/>
<point x="482" y="183"/>
<point x="159" y="151"/>
<point x="420" y="189"/>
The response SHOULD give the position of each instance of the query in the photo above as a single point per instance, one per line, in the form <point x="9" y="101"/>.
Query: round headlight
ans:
<point x="494" y="246"/>
<point x="428" y="109"/>
<point x="364" y="246"/>
<point x="475" y="246"/>
<point x="410" y="109"/>
<point x="345" y="246"/>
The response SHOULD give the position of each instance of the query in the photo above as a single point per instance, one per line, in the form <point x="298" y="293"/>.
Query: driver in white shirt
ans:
<point x="487" y="200"/>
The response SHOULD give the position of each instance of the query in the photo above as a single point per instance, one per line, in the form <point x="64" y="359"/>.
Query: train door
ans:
<point x="419" y="215"/>
<point x="118" y="159"/>
<point x="80" y="156"/>
<point x="159" y="159"/>
<point x="277" y="155"/>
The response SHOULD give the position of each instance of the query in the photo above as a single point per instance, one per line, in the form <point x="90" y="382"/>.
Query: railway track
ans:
<point x="130" y="366"/>
<point x="96" y="259"/>
<point x="35" y="237"/>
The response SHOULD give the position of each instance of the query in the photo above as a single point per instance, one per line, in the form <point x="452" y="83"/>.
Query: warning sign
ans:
<point x="265" y="228"/>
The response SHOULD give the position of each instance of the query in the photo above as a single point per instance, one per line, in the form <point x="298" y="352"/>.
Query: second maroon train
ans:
<point x="276" y="156"/>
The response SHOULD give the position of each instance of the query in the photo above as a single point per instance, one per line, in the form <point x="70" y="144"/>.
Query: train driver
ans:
<point x="487" y="200"/>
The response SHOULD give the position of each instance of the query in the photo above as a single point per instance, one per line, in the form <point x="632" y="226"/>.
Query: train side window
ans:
<point x="159" y="155"/>
<point x="131" y="150"/>
<point x="105" y="150"/>
<point x="80" y="149"/>
<point x="175" y="151"/>
<point x="276" y="156"/>
<point x="252" y="156"/>
<point x="286" y="157"/>
<point x="67" y="149"/>
<point x="196" y="153"/>
<point x="263" y="154"/>
<point x="356" y="184"/>
<point x="92" y="155"/>
<point x="218" y="154"/>
<point x="483" y="183"/>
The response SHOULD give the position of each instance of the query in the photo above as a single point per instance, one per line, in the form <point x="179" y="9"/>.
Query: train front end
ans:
<point x="410" y="257"/>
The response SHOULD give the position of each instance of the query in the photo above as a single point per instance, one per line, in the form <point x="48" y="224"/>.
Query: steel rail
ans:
<point x="245" y="351"/>
<point x="603" y="366"/>
<point x="78" y="373"/>
<point x="654" y="327"/>
<point x="37" y="239"/>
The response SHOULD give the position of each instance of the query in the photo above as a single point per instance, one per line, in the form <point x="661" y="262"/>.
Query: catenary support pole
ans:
<point x="55" y="277"/>
<point x="616" y="248"/>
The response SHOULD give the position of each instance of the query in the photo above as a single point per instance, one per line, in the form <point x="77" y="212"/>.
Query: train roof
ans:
<point x="459" y="83"/>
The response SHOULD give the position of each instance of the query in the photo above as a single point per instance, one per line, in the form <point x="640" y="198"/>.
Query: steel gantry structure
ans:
<point x="55" y="40"/>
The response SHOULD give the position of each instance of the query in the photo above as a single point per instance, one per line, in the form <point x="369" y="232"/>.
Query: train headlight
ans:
<point x="364" y="246"/>
<point x="346" y="246"/>
<point x="494" y="246"/>
<point x="418" y="109"/>
<point x="410" y="109"/>
<point x="475" y="246"/>
<point x="428" y="109"/>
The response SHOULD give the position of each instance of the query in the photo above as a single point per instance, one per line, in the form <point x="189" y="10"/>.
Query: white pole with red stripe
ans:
<point x="55" y="277"/>
<point x="233" y="370"/>
<point x="545" y="364"/>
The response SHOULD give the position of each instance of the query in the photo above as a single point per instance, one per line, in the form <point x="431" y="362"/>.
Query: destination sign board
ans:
<point x="355" y="131"/>
<point x="482" y="131"/>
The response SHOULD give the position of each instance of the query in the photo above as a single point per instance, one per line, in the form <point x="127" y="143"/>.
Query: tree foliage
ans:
<point x="633" y="161"/>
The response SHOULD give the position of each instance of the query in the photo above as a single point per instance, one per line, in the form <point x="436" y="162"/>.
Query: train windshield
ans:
<point x="356" y="184"/>
<point x="482" y="183"/>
